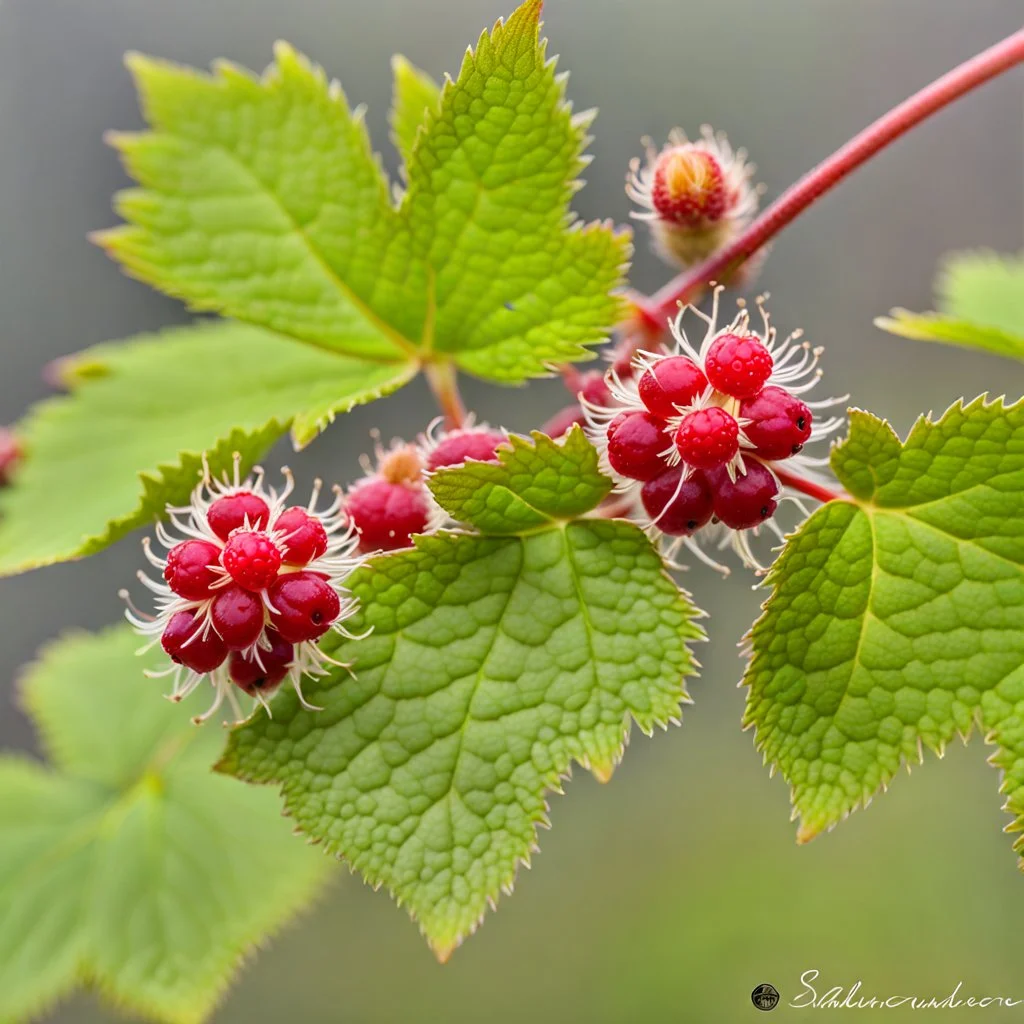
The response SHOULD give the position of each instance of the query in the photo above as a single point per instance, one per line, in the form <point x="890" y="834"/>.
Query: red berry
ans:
<point x="636" y="443"/>
<point x="248" y="675"/>
<point x="594" y="389"/>
<point x="747" y="501"/>
<point x="231" y="512"/>
<point x="252" y="560"/>
<point x="460" y="445"/>
<point x="780" y="423"/>
<point x="739" y="365"/>
<point x="188" y="571"/>
<point x="689" y="186"/>
<point x="304" y="606"/>
<point x="10" y="456"/>
<point x="304" y="536"/>
<point x="671" y="382"/>
<point x="688" y="510"/>
<point x="237" y="615"/>
<point x="387" y="514"/>
<point x="199" y="653"/>
<point x="708" y="437"/>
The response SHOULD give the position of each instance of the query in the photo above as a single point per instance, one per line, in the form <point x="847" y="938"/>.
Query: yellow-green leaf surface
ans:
<point x="415" y="93"/>
<point x="494" y="663"/>
<point x="896" y="619"/>
<point x="129" y="438"/>
<point x="261" y="198"/>
<point x="125" y="863"/>
<point x="981" y="305"/>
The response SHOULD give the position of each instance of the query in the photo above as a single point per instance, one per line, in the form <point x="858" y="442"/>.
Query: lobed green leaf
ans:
<point x="129" y="438"/>
<point x="126" y="864"/>
<point x="415" y="93"/>
<point x="896" y="619"/>
<point x="494" y="662"/>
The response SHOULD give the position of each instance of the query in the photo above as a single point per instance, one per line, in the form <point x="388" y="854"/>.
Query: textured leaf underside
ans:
<point x="896" y="619"/>
<point x="126" y="863"/>
<point x="495" y="662"/>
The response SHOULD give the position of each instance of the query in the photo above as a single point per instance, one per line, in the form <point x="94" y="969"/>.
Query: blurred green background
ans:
<point x="670" y="893"/>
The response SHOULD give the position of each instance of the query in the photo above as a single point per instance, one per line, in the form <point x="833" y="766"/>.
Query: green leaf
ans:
<point x="490" y="180"/>
<point x="494" y="663"/>
<point x="262" y="199"/>
<point x="126" y="863"/>
<point x="415" y="92"/>
<point x="981" y="298"/>
<point x="532" y="486"/>
<point x="129" y="438"/>
<point x="896" y="619"/>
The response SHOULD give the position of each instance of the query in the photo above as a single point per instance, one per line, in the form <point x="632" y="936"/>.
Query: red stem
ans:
<point x="653" y="312"/>
<point x="444" y="384"/>
<point x="817" y="491"/>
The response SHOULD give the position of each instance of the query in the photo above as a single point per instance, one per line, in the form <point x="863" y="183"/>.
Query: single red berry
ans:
<point x="199" y="653"/>
<point x="10" y="456"/>
<point x="237" y="615"/>
<point x="304" y="536"/>
<point x="689" y="186"/>
<point x="738" y="364"/>
<point x="707" y="437"/>
<point x="251" y="559"/>
<point x="780" y="423"/>
<point x="460" y="445"/>
<point x="387" y="514"/>
<point x="671" y="382"/>
<point x="689" y="503"/>
<point x="189" y="571"/>
<point x="252" y="676"/>
<point x="747" y="501"/>
<point x="231" y="512"/>
<point x="304" y="606"/>
<point x="636" y="443"/>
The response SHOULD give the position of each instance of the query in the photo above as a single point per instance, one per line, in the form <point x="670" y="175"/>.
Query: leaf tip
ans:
<point x="806" y="832"/>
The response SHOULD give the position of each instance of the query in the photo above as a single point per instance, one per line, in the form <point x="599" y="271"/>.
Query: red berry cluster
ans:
<point x="392" y="502"/>
<point x="699" y="434"/>
<point x="250" y="589"/>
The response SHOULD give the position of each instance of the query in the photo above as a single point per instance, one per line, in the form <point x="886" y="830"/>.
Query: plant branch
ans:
<point x="651" y="313"/>
<point x="813" y="490"/>
<point x="443" y="381"/>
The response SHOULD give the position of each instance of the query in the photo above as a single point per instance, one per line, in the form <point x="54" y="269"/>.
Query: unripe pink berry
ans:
<point x="707" y="438"/>
<point x="303" y="606"/>
<point x="780" y="424"/>
<point x="689" y="502"/>
<point x="458" y="445"/>
<point x="189" y="570"/>
<point x="636" y="445"/>
<point x="233" y="511"/>
<point x="738" y="365"/>
<point x="748" y="500"/>
<point x="304" y="537"/>
<point x="671" y="382"/>
<point x="200" y="653"/>
<point x="251" y="559"/>
<point x="688" y="186"/>
<point x="248" y="674"/>
<point x="387" y="514"/>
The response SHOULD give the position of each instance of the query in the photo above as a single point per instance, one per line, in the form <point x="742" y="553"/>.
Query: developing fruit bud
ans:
<point x="216" y="588"/>
<point x="386" y="514"/>
<point x="454" y="447"/>
<point x="696" y="195"/>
